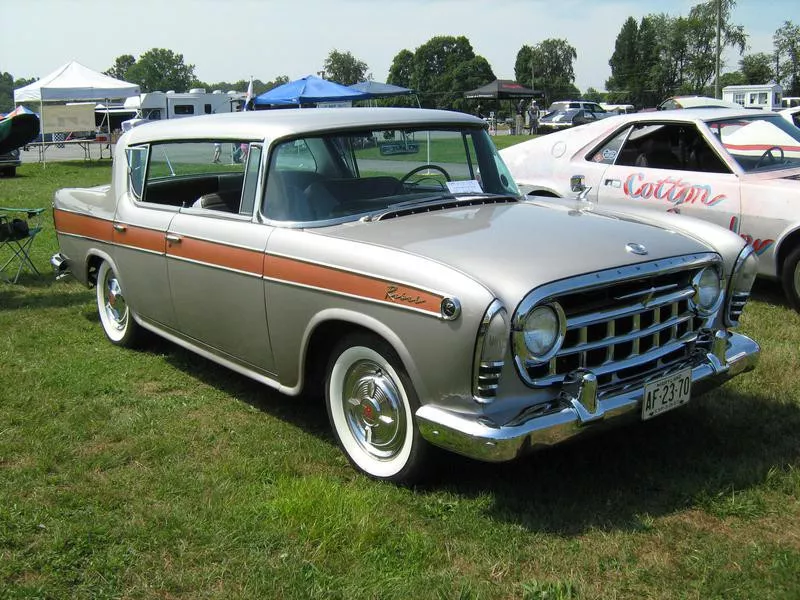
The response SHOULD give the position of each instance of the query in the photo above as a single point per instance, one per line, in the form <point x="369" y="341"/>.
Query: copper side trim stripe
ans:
<point x="82" y="225"/>
<point x="247" y="261"/>
<point x="295" y="271"/>
<point x="139" y="237"/>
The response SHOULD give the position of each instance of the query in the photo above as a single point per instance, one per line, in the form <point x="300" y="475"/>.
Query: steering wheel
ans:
<point x="768" y="153"/>
<point x="413" y="172"/>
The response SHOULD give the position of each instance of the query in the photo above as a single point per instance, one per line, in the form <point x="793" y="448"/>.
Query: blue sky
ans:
<point x="234" y="39"/>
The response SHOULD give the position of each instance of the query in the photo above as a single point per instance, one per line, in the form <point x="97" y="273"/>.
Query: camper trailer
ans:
<point x="155" y="106"/>
<point x="766" y="96"/>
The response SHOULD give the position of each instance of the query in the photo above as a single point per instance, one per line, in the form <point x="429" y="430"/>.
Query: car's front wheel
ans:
<point x="371" y="405"/>
<point x="115" y="315"/>
<point x="790" y="277"/>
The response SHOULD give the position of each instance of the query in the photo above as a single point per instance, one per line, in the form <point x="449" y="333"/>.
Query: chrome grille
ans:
<point x="489" y="379"/>
<point x="737" y="302"/>
<point x="626" y="330"/>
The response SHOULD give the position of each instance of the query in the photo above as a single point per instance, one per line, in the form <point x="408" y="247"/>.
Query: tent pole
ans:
<point x="41" y="122"/>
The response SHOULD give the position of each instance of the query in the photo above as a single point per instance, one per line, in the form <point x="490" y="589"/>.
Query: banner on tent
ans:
<point x="63" y="118"/>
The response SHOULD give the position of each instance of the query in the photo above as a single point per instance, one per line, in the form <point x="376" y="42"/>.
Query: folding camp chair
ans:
<point x="18" y="228"/>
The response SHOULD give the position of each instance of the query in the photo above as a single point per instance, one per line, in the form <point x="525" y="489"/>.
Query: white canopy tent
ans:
<point x="73" y="82"/>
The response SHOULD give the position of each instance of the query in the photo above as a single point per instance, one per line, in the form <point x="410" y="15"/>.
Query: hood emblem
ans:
<point x="635" y="248"/>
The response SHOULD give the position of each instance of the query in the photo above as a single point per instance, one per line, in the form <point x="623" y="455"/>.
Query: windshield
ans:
<point x="347" y="174"/>
<point x="761" y="142"/>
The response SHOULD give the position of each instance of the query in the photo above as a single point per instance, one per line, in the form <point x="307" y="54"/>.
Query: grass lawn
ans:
<point x="157" y="474"/>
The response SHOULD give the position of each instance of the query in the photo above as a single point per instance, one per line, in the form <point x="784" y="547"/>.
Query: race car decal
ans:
<point x="760" y="246"/>
<point x="671" y="189"/>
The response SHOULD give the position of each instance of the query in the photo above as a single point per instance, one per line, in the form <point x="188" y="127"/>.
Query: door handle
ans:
<point x="615" y="183"/>
<point x="120" y="227"/>
<point x="173" y="239"/>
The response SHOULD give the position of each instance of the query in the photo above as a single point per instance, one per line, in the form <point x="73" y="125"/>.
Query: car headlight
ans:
<point x="542" y="331"/>
<point x="707" y="290"/>
<point x="742" y="279"/>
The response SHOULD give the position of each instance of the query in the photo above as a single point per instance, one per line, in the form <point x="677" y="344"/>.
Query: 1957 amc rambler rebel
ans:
<point x="386" y="257"/>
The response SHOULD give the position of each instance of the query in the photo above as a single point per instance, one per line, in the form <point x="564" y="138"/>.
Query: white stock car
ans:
<point x="737" y="168"/>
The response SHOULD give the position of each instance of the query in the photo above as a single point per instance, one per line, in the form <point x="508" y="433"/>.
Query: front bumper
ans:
<point x="578" y="411"/>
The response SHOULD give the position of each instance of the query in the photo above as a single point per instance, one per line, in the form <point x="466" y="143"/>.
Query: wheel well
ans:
<point x="320" y="347"/>
<point x="93" y="263"/>
<point x="791" y="242"/>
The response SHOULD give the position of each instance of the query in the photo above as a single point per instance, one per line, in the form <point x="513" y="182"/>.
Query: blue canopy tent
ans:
<point x="308" y="90"/>
<point x="376" y="89"/>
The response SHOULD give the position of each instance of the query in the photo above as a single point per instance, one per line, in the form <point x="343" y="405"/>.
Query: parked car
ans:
<point x="792" y="115"/>
<point x="677" y="102"/>
<point x="558" y="120"/>
<point x="9" y="162"/>
<point x="592" y="107"/>
<point x="737" y="168"/>
<point x="406" y="279"/>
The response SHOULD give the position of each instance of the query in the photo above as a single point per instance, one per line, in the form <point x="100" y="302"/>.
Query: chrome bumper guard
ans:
<point x="60" y="265"/>
<point x="578" y="410"/>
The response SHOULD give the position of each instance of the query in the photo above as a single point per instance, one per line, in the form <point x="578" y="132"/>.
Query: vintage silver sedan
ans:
<point x="385" y="259"/>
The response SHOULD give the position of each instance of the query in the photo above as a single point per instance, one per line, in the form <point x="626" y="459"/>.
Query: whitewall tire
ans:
<point x="115" y="314"/>
<point x="371" y="405"/>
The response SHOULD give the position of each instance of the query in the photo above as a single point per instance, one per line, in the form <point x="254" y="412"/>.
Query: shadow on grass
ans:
<point x="614" y="480"/>
<point x="769" y="291"/>
<point x="34" y="291"/>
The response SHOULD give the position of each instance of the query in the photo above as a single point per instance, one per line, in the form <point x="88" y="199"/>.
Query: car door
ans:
<point x="139" y="232"/>
<point x="670" y="166"/>
<point x="215" y="262"/>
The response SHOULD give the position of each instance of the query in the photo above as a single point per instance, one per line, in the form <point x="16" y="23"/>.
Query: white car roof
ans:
<point x="693" y="114"/>
<point x="271" y="124"/>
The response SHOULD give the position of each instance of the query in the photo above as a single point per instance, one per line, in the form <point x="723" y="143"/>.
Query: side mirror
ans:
<point x="577" y="183"/>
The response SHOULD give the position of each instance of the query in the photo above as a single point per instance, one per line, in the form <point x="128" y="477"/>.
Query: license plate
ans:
<point x="666" y="393"/>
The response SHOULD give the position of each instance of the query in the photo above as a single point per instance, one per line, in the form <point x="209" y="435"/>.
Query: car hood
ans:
<point x="513" y="248"/>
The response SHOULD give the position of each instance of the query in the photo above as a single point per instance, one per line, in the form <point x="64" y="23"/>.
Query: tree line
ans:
<point x="654" y="58"/>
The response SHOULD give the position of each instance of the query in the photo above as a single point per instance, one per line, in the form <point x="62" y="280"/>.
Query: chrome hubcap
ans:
<point x="116" y="308"/>
<point x="797" y="279"/>
<point x="373" y="408"/>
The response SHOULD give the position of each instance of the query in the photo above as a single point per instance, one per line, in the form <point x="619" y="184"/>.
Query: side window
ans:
<point x="609" y="151"/>
<point x="197" y="174"/>
<point x="250" y="180"/>
<point x="137" y="165"/>
<point x="652" y="146"/>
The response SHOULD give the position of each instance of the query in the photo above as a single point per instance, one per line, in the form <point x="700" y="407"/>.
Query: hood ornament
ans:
<point x="635" y="248"/>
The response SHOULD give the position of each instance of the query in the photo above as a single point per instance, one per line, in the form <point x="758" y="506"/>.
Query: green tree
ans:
<point x="433" y="61"/>
<point x="732" y="78"/>
<point x="624" y="61"/>
<point x="787" y="48"/>
<point x="121" y="66"/>
<point x="344" y="68"/>
<point x="463" y="77"/>
<point x="701" y="40"/>
<point x="550" y="63"/>
<point x="161" y="69"/>
<point x="402" y="69"/>
<point x="593" y="95"/>
<point x="7" y="86"/>
<point x="757" y="68"/>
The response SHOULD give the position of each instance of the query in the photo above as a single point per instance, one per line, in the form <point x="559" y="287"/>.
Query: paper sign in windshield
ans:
<point x="470" y="186"/>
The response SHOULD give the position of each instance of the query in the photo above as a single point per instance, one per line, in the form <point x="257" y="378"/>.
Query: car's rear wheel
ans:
<point x="790" y="277"/>
<point x="115" y="314"/>
<point x="371" y="405"/>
